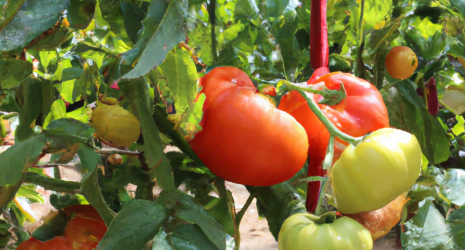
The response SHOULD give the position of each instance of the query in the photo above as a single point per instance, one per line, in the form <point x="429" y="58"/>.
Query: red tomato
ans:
<point x="363" y="111"/>
<point x="84" y="234"/>
<point x="245" y="139"/>
<point x="57" y="243"/>
<point x="86" y="211"/>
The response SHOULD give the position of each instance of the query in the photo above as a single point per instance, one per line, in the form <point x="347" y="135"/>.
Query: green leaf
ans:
<point x="16" y="159"/>
<point x="13" y="72"/>
<point x="275" y="8"/>
<point x="219" y="208"/>
<point x="123" y="175"/>
<point x="9" y="10"/>
<point x="68" y="131"/>
<point x="188" y="236"/>
<point x="163" y="29"/>
<point x="376" y="13"/>
<point x="80" y="13"/>
<point x="137" y="92"/>
<point x="113" y="14"/>
<point x="33" y="18"/>
<point x="160" y="241"/>
<point x="456" y="221"/>
<point x="453" y="186"/>
<point x="181" y="78"/>
<point x="246" y="8"/>
<point x="55" y="226"/>
<point x="185" y="208"/>
<point x="136" y="224"/>
<point x="133" y="16"/>
<point x="89" y="158"/>
<point x="460" y="6"/>
<point x="277" y="203"/>
<point x="93" y="194"/>
<point x="427" y="230"/>
<point x="71" y="73"/>
<point x="52" y="40"/>
<point x="407" y="111"/>
<point x="454" y="99"/>
<point x="32" y="94"/>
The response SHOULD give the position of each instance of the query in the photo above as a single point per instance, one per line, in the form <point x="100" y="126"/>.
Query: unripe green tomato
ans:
<point x="369" y="176"/>
<point x="115" y="124"/>
<point x="306" y="231"/>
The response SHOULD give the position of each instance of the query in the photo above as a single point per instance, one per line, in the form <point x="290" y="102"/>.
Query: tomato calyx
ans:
<point x="326" y="218"/>
<point x="328" y="97"/>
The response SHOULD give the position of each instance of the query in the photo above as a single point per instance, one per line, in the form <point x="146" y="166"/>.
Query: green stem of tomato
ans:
<point x="52" y="183"/>
<point x="328" y="162"/>
<point x="421" y="84"/>
<point x="328" y="124"/>
<point x="211" y="8"/>
<point x="319" y="207"/>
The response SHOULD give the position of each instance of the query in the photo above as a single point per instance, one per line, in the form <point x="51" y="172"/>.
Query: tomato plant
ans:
<point x="239" y="140"/>
<point x="304" y="231"/>
<point x="401" y="62"/>
<point x="160" y="71"/>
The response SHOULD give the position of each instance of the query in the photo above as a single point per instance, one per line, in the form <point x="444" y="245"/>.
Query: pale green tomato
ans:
<point x="382" y="167"/>
<point x="306" y="231"/>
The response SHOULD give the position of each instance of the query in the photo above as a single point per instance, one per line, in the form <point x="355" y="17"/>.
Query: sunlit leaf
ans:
<point x="163" y="29"/>
<point x="33" y="18"/>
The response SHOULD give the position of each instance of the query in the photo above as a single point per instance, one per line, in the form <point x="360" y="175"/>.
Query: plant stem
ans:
<point x="319" y="207"/>
<point x="360" y="43"/>
<point x="211" y="8"/>
<point x="421" y="84"/>
<point x="328" y="161"/>
<point x="388" y="86"/>
<point x="328" y="124"/>
<point x="52" y="183"/>
<point x="241" y="213"/>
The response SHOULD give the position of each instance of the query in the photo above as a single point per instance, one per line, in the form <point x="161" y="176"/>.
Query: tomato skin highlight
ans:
<point x="301" y="232"/>
<point x="245" y="139"/>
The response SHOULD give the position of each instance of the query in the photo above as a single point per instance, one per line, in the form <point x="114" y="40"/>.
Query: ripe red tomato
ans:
<point x="245" y="139"/>
<point x="362" y="111"/>
<point x="84" y="234"/>
<point x="86" y="211"/>
<point x="57" y="243"/>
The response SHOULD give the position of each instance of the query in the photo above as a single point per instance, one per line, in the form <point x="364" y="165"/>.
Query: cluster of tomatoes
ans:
<point x="84" y="231"/>
<point x="247" y="140"/>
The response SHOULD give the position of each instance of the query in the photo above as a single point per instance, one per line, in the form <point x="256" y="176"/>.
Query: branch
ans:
<point x="52" y="183"/>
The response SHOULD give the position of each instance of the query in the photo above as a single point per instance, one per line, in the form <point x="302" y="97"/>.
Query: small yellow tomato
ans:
<point x="401" y="62"/>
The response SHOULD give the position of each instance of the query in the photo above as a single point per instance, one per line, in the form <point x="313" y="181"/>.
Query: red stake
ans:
<point x="319" y="57"/>
<point x="319" y="50"/>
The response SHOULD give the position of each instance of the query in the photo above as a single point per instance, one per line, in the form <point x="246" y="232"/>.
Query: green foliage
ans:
<point x="60" y="53"/>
